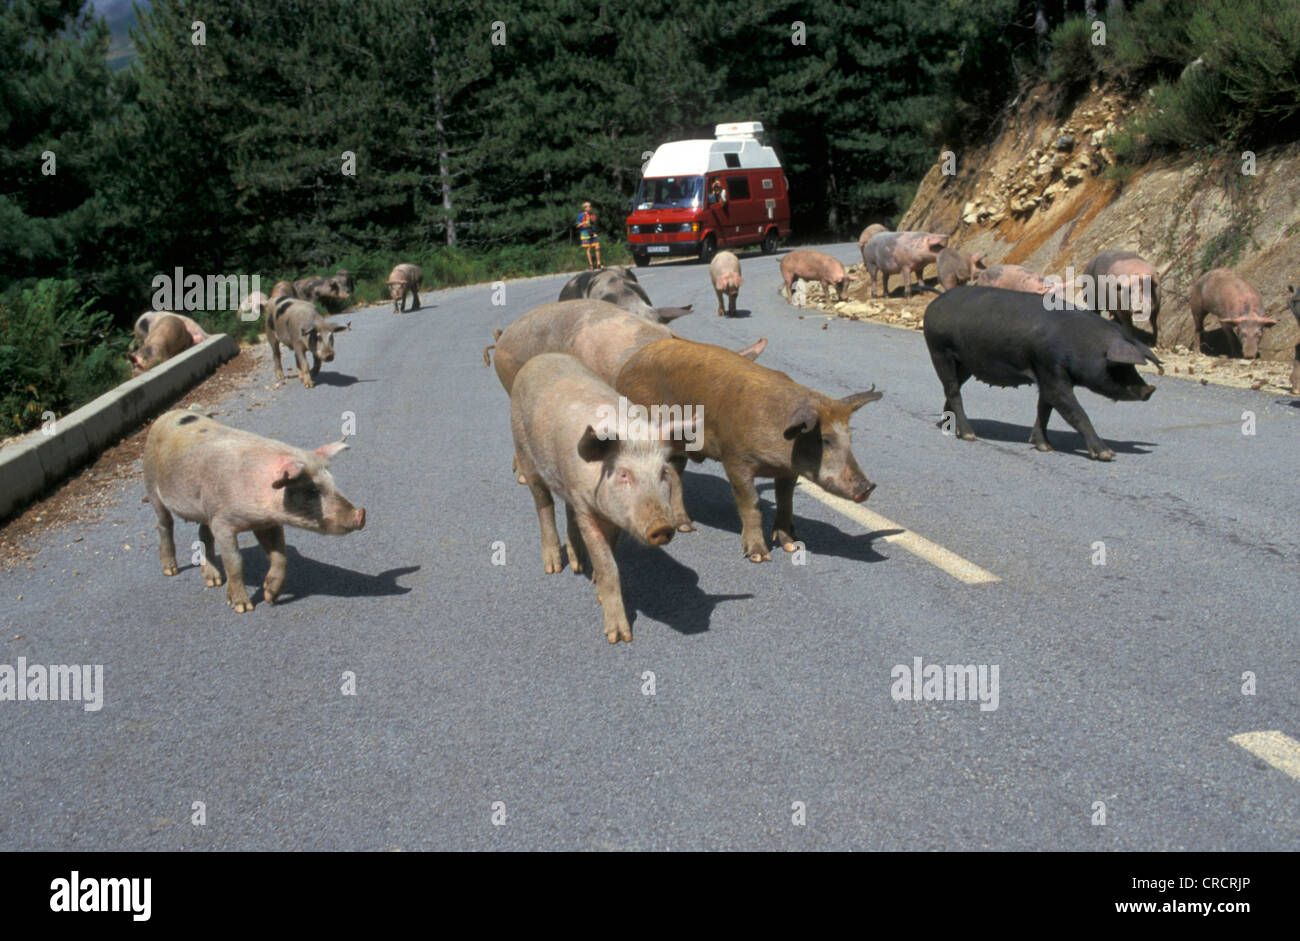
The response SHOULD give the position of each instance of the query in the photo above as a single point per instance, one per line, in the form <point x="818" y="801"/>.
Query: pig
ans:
<point x="566" y="440"/>
<point x="1007" y="338"/>
<point x="1294" y="304"/>
<point x="619" y="286"/>
<point x="873" y="229"/>
<point x="598" y="334"/>
<point x="1013" y="278"/>
<point x="759" y="423"/>
<point x="403" y="280"/>
<point x="167" y="337"/>
<point x="724" y="271"/>
<point x="958" y="267"/>
<point x="1238" y="307"/>
<point x="811" y="265"/>
<point x="889" y="253"/>
<point x="282" y="289"/>
<point x="1135" y="287"/>
<point x="146" y="320"/>
<point x="331" y="292"/>
<point x="301" y="327"/>
<point x="231" y="481"/>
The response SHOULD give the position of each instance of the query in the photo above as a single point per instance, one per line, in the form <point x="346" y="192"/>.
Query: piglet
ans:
<point x="566" y="440"/>
<point x="230" y="481"/>
<point x="724" y="271"/>
<point x="403" y="280"/>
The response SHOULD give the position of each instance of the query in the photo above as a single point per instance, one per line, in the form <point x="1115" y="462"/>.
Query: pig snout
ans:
<point x="360" y="519"/>
<point x="864" y="491"/>
<point x="660" y="534"/>
<point x="1146" y="392"/>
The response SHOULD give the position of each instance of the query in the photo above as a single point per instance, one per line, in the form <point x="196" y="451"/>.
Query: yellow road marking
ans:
<point x="1280" y="751"/>
<point x="936" y="555"/>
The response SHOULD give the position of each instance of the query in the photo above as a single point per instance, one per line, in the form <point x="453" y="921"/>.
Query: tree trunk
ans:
<point x="440" y="134"/>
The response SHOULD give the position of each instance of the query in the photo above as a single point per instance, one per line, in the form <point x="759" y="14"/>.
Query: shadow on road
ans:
<point x="658" y="586"/>
<point x="339" y="379"/>
<point x="1068" y="441"/>
<point x="710" y="503"/>
<point x="310" y="577"/>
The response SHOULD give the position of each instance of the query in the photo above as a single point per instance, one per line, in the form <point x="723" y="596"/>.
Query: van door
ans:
<point x="742" y="213"/>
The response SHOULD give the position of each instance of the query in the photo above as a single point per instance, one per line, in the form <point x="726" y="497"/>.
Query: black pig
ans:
<point x="1008" y="338"/>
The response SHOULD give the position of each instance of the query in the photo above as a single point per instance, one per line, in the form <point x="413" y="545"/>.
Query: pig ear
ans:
<point x="859" y="399"/>
<point x="591" y="447"/>
<point x="346" y="326"/>
<point x="286" y="468"/>
<point x="328" y="451"/>
<point x="308" y="331"/>
<point x="804" y="420"/>
<point x="1268" y="321"/>
<point x="666" y="314"/>
<point x="1121" y="350"/>
<point x="751" y="352"/>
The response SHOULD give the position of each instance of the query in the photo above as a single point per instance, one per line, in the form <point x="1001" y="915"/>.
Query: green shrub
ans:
<point x="56" y="353"/>
<point x="1072" y="61"/>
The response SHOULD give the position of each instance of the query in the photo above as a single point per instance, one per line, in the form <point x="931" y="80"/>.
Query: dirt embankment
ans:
<point x="1039" y="194"/>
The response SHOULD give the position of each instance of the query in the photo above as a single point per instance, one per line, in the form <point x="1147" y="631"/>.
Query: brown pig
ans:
<point x="810" y="265"/>
<point x="166" y="338"/>
<point x="566" y="434"/>
<point x="958" y="267"/>
<point x="759" y="423"/>
<point x="403" y="280"/>
<point x="1238" y="307"/>
<point x="301" y="327"/>
<point x="331" y="292"/>
<point x="890" y="253"/>
<point x="231" y="481"/>
<point x="724" y="271"/>
<point x="1013" y="278"/>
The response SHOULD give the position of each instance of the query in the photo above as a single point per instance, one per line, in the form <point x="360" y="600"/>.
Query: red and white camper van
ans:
<point x="697" y="196"/>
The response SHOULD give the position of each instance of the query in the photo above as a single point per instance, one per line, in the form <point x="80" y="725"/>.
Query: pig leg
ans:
<point x="952" y="375"/>
<point x="271" y="540"/>
<point x="907" y="281"/>
<point x="166" y="542"/>
<point x="552" y="561"/>
<point x="228" y="545"/>
<point x="601" y="537"/>
<point x="579" y="559"/>
<point x="1061" y="397"/>
<point x="677" y="494"/>
<point x="783" y="527"/>
<point x="721" y="311"/>
<point x="416" y="291"/>
<point x="300" y="359"/>
<point x="884" y="282"/>
<point x="1038" y="437"/>
<point x="275" y="354"/>
<point x="731" y="305"/>
<point x="1295" y="377"/>
<point x="751" y="519"/>
<point x="211" y="574"/>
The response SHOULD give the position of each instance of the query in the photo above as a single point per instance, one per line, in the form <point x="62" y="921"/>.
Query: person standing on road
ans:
<point x="587" y="232"/>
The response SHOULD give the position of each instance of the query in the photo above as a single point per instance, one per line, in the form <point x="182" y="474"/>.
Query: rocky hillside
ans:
<point x="1039" y="195"/>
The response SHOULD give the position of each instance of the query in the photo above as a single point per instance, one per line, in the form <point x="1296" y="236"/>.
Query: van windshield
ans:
<point x="670" y="192"/>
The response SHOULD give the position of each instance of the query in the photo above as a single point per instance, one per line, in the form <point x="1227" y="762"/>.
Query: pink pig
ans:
<point x="1237" y="305"/>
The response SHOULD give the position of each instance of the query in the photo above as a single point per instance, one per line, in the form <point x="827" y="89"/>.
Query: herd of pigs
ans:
<point x="604" y="349"/>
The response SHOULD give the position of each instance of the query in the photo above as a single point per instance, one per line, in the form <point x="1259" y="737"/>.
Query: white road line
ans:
<point x="936" y="555"/>
<point x="1280" y="751"/>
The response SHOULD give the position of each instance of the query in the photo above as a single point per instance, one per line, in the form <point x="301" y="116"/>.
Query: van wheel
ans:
<point x="708" y="248"/>
<point x="769" y="242"/>
<point x="641" y="258"/>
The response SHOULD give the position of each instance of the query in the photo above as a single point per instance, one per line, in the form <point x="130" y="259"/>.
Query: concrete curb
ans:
<point x="39" y="461"/>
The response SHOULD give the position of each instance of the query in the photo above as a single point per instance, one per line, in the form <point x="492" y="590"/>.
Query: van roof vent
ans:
<point x="741" y="130"/>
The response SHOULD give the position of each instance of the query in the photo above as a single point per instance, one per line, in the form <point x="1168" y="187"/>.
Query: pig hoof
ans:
<point x="171" y="570"/>
<point x="760" y="557"/>
<point x="212" y="581"/>
<point x="521" y="479"/>
<point x="968" y="436"/>
<point x="551" y="560"/>
<point x="1041" y="445"/>
<point x="241" y="607"/>
<point x="686" y="527"/>
<point x="1105" y="454"/>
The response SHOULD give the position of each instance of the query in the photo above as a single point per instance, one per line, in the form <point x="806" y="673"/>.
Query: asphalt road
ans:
<point x="479" y="683"/>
